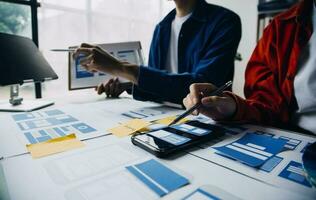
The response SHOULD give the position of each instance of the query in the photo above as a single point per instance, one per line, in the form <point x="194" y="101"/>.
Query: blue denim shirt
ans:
<point x="207" y="46"/>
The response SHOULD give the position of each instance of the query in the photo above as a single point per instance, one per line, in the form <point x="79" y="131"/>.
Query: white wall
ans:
<point x="247" y="10"/>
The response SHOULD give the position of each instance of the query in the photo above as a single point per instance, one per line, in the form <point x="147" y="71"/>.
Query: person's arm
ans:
<point x="264" y="101"/>
<point x="216" y="65"/>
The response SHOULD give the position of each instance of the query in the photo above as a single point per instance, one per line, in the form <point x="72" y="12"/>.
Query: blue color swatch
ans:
<point x="83" y="128"/>
<point x="294" y="172"/>
<point x="253" y="149"/>
<point x="54" y="112"/>
<point x="271" y="164"/>
<point x="158" y="177"/>
<point x="23" y="116"/>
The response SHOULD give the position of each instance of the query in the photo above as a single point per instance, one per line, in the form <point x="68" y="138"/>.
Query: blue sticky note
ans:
<point x="294" y="172"/>
<point x="158" y="177"/>
<point x="253" y="149"/>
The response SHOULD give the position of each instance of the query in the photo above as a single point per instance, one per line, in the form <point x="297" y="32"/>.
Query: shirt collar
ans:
<point x="199" y="13"/>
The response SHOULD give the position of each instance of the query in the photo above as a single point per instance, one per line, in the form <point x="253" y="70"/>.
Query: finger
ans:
<point x="86" y="45"/>
<point x="214" y="101"/>
<point x="117" y="88"/>
<point x="82" y="51"/>
<point x="107" y="87"/>
<point x="197" y="88"/>
<point x="86" y="60"/>
<point x="188" y="103"/>
<point x="100" y="88"/>
<point x="112" y="87"/>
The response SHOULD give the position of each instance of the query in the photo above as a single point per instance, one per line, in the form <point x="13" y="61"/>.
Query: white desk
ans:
<point x="33" y="179"/>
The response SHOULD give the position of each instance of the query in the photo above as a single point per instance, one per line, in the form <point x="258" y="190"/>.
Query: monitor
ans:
<point x="21" y="61"/>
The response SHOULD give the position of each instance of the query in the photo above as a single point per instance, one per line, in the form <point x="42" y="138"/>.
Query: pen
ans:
<point x="63" y="50"/>
<point x="199" y="104"/>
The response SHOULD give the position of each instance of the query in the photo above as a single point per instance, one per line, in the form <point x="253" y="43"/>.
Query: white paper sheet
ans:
<point x="268" y="177"/>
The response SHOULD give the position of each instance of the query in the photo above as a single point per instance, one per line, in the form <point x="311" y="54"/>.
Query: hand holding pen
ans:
<point x="214" y="104"/>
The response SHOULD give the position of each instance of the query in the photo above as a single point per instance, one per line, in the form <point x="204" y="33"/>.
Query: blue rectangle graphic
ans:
<point x="158" y="177"/>
<point x="83" y="128"/>
<point x="253" y="149"/>
<point x="294" y="172"/>
<point x="271" y="164"/>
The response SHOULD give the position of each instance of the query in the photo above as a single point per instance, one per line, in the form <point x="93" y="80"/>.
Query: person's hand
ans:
<point x="216" y="107"/>
<point x="113" y="87"/>
<point x="94" y="58"/>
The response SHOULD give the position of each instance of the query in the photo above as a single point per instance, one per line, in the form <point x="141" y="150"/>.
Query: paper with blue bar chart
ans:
<point x="44" y="125"/>
<point x="157" y="177"/>
<point x="253" y="149"/>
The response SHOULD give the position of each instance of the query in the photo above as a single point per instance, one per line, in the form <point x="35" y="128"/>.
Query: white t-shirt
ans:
<point x="305" y="85"/>
<point x="172" y="56"/>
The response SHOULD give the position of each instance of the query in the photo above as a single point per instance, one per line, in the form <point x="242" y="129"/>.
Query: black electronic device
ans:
<point x="176" y="138"/>
<point x="22" y="62"/>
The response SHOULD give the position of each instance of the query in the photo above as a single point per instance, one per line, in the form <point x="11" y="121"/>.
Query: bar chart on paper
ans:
<point x="45" y="125"/>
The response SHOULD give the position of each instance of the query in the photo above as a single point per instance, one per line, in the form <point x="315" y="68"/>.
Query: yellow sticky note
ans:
<point x="129" y="127"/>
<point x="164" y="122"/>
<point x="168" y="120"/>
<point x="53" y="146"/>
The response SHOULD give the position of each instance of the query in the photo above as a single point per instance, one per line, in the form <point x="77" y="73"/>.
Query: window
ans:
<point x="64" y="23"/>
<point x="15" y="19"/>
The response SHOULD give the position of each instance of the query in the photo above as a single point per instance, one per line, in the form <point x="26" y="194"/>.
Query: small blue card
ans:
<point x="191" y="129"/>
<point x="294" y="172"/>
<point x="169" y="137"/>
<point x="271" y="164"/>
<point x="253" y="149"/>
<point x="158" y="177"/>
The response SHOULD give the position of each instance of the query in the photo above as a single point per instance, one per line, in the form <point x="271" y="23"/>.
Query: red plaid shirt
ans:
<point x="269" y="82"/>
